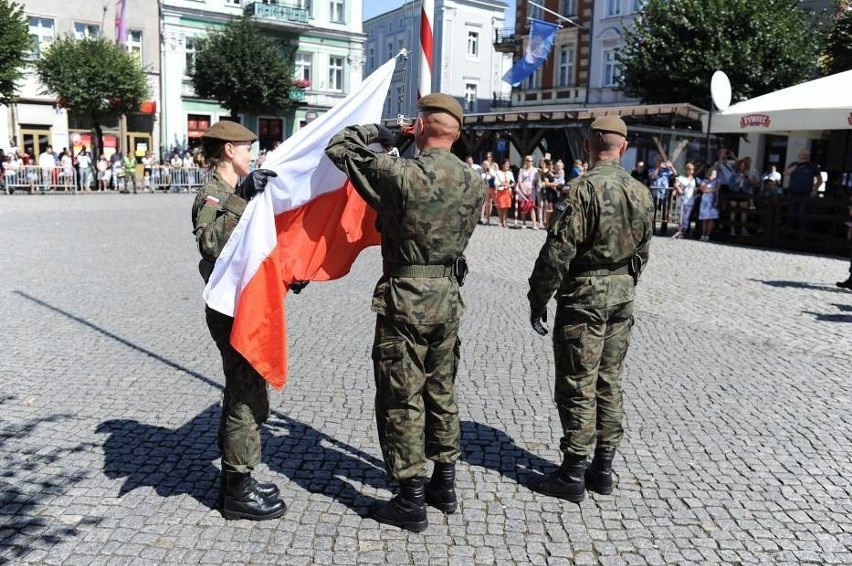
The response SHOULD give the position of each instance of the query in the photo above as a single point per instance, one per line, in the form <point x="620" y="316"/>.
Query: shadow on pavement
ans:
<point x="491" y="448"/>
<point x="25" y="488"/>
<point x="826" y="317"/>
<point x="801" y="285"/>
<point x="173" y="462"/>
<point x="320" y="464"/>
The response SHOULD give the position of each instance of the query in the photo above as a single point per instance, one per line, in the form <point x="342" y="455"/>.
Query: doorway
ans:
<point x="34" y="140"/>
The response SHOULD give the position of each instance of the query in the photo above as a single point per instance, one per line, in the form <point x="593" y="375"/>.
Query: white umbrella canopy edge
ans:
<point x="821" y="104"/>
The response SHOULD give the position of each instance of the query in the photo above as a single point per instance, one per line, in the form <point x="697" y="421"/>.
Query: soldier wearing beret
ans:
<point x="427" y="209"/>
<point x="215" y="212"/>
<point x="596" y="247"/>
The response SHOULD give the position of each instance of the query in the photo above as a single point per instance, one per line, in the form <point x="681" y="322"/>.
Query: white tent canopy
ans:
<point x="822" y="104"/>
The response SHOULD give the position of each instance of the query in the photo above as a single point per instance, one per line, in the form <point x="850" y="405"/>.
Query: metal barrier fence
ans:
<point x="175" y="179"/>
<point x="35" y="179"/>
<point x="39" y="179"/>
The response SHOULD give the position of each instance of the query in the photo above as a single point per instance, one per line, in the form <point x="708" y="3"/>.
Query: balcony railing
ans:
<point x="297" y="95"/>
<point x="283" y="13"/>
<point x="499" y="100"/>
<point x="505" y="40"/>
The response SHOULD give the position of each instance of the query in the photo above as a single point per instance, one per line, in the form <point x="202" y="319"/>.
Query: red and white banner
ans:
<point x="309" y="225"/>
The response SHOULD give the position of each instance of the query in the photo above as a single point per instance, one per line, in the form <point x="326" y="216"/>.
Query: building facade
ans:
<point x="465" y="63"/>
<point x="37" y="121"/>
<point x="324" y="40"/>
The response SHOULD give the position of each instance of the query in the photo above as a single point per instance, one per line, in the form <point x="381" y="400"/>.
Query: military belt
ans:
<point x="599" y="270"/>
<point x="432" y="271"/>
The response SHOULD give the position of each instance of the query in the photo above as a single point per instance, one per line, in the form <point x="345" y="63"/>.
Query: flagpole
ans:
<point x="558" y="15"/>
<point x="427" y="12"/>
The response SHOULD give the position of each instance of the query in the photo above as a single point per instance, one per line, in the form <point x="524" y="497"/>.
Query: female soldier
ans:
<point x="215" y="213"/>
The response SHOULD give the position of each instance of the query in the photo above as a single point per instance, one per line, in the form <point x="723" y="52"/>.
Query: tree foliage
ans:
<point x="677" y="45"/>
<point x="243" y="69"/>
<point x="93" y="77"/>
<point x="837" y="53"/>
<point x="14" y="43"/>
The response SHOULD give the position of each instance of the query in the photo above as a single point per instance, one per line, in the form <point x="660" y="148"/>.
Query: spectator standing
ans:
<point x="130" y="171"/>
<point x="725" y="167"/>
<point x="504" y="181"/>
<point x="103" y="173"/>
<point x="662" y="179"/>
<point x="84" y="167"/>
<point x="527" y="187"/>
<point x="641" y="174"/>
<point x="708" y="213"/>
<point x="553" y="182"/>
<point x="684" y="187"/>
<point x="488" y="177"/>
<point x="739" y="197"/>
<point x="47" y="163"/>
<point x="147" y="169"/>
<point x="805" y="177"/>
<point x="772" y="177"/>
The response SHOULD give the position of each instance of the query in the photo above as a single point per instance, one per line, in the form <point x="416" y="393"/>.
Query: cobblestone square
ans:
<point x="738" y="445"/>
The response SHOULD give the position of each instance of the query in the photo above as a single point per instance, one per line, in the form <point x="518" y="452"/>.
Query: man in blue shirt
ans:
<point x="662" y="179"/>
<point x="805" y="177"/>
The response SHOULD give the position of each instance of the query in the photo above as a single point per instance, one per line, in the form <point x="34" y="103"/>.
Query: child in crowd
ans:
<point x="708" y="213"/>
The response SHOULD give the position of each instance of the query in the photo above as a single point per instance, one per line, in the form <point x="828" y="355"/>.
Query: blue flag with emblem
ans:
<point x="538" y="48"/>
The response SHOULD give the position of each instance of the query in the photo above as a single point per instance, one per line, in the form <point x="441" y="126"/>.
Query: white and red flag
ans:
<point x="308" y="225"/>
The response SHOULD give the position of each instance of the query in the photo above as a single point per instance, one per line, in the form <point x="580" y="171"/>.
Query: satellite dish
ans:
<point x="720" y="90"/>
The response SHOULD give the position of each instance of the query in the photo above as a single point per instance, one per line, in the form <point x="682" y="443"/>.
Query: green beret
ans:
<point x="439" y="102"/>
<point x="612" y="124"/>
<point x="228" y="131"/>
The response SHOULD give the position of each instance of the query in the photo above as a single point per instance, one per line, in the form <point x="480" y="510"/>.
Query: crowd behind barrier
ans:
<point x="34" y="179"/>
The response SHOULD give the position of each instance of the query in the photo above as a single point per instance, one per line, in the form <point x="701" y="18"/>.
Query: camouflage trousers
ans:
<point x="416" y="413"/>
<point x="589" y="345"/>
<point x="245" y="406"/>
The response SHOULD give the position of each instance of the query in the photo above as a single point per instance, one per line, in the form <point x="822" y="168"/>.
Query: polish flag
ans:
<point x="308" y="225"/>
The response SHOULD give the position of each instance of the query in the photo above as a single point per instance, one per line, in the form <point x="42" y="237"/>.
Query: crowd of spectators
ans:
<point x="527" y="192"/>
<point x="524" y="195"/>
<point x="81" y="171"/>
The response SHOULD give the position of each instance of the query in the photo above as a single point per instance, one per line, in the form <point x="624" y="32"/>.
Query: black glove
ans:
<point x="538" y="320"/>
<point x="386" y="138"/>
<point x="297" y="286"/>
<point x="254" y="184"/>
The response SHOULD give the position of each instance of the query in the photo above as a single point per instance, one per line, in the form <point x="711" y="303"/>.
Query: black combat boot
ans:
<point x="565" y="483"/>
<point x="265" y="489"/>
<point x="241" y="501"/>
<point x="407" y="510"/>
<point x="599" y="473"/>
<point x="441" y="489"/>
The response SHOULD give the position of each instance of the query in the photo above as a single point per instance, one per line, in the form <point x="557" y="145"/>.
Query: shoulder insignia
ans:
<point x="210" y="199"/>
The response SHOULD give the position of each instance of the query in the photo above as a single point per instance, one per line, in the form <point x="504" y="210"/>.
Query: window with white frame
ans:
<point x="83" y="30"/>
<point x="637" y="6"/>
<point x="303" y="63"/>
<point x="470" y="96"/>
<point x="610" y="71"/>
<point x="41" y="35"/>
<point x="568" y="7"/>
<point x="532" y="80"/>
<point x="335" y="73"/>
<point x="134" y="44"/>
<point x="390" y="49"/>
<point x="613" y="7"/>
<point x="566" y="65"/>
<point x="338" y="11"/>
<point x="371" y="58"/>
<point x="472" y="43"/>
<point x="189" y="55"/>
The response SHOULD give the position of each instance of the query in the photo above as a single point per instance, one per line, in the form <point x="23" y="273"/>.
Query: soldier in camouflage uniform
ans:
<point x="596" y="247"/>
<point x="215" y="212"/>
<point x="427" y="209"/>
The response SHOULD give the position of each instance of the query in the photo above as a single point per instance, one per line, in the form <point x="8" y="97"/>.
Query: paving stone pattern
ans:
<point x="737" y="388"/>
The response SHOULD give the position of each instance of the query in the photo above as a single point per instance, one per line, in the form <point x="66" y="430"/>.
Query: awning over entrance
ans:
<point x="821" y="104"/>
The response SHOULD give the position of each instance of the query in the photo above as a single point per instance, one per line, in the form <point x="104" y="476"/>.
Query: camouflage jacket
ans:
<point x="215" y="213"/>
<point x="604" y="220"/>
<point x="427" y="209"/>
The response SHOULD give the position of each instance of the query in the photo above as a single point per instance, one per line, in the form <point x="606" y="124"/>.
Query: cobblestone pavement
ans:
<point x="739" y="408"/>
